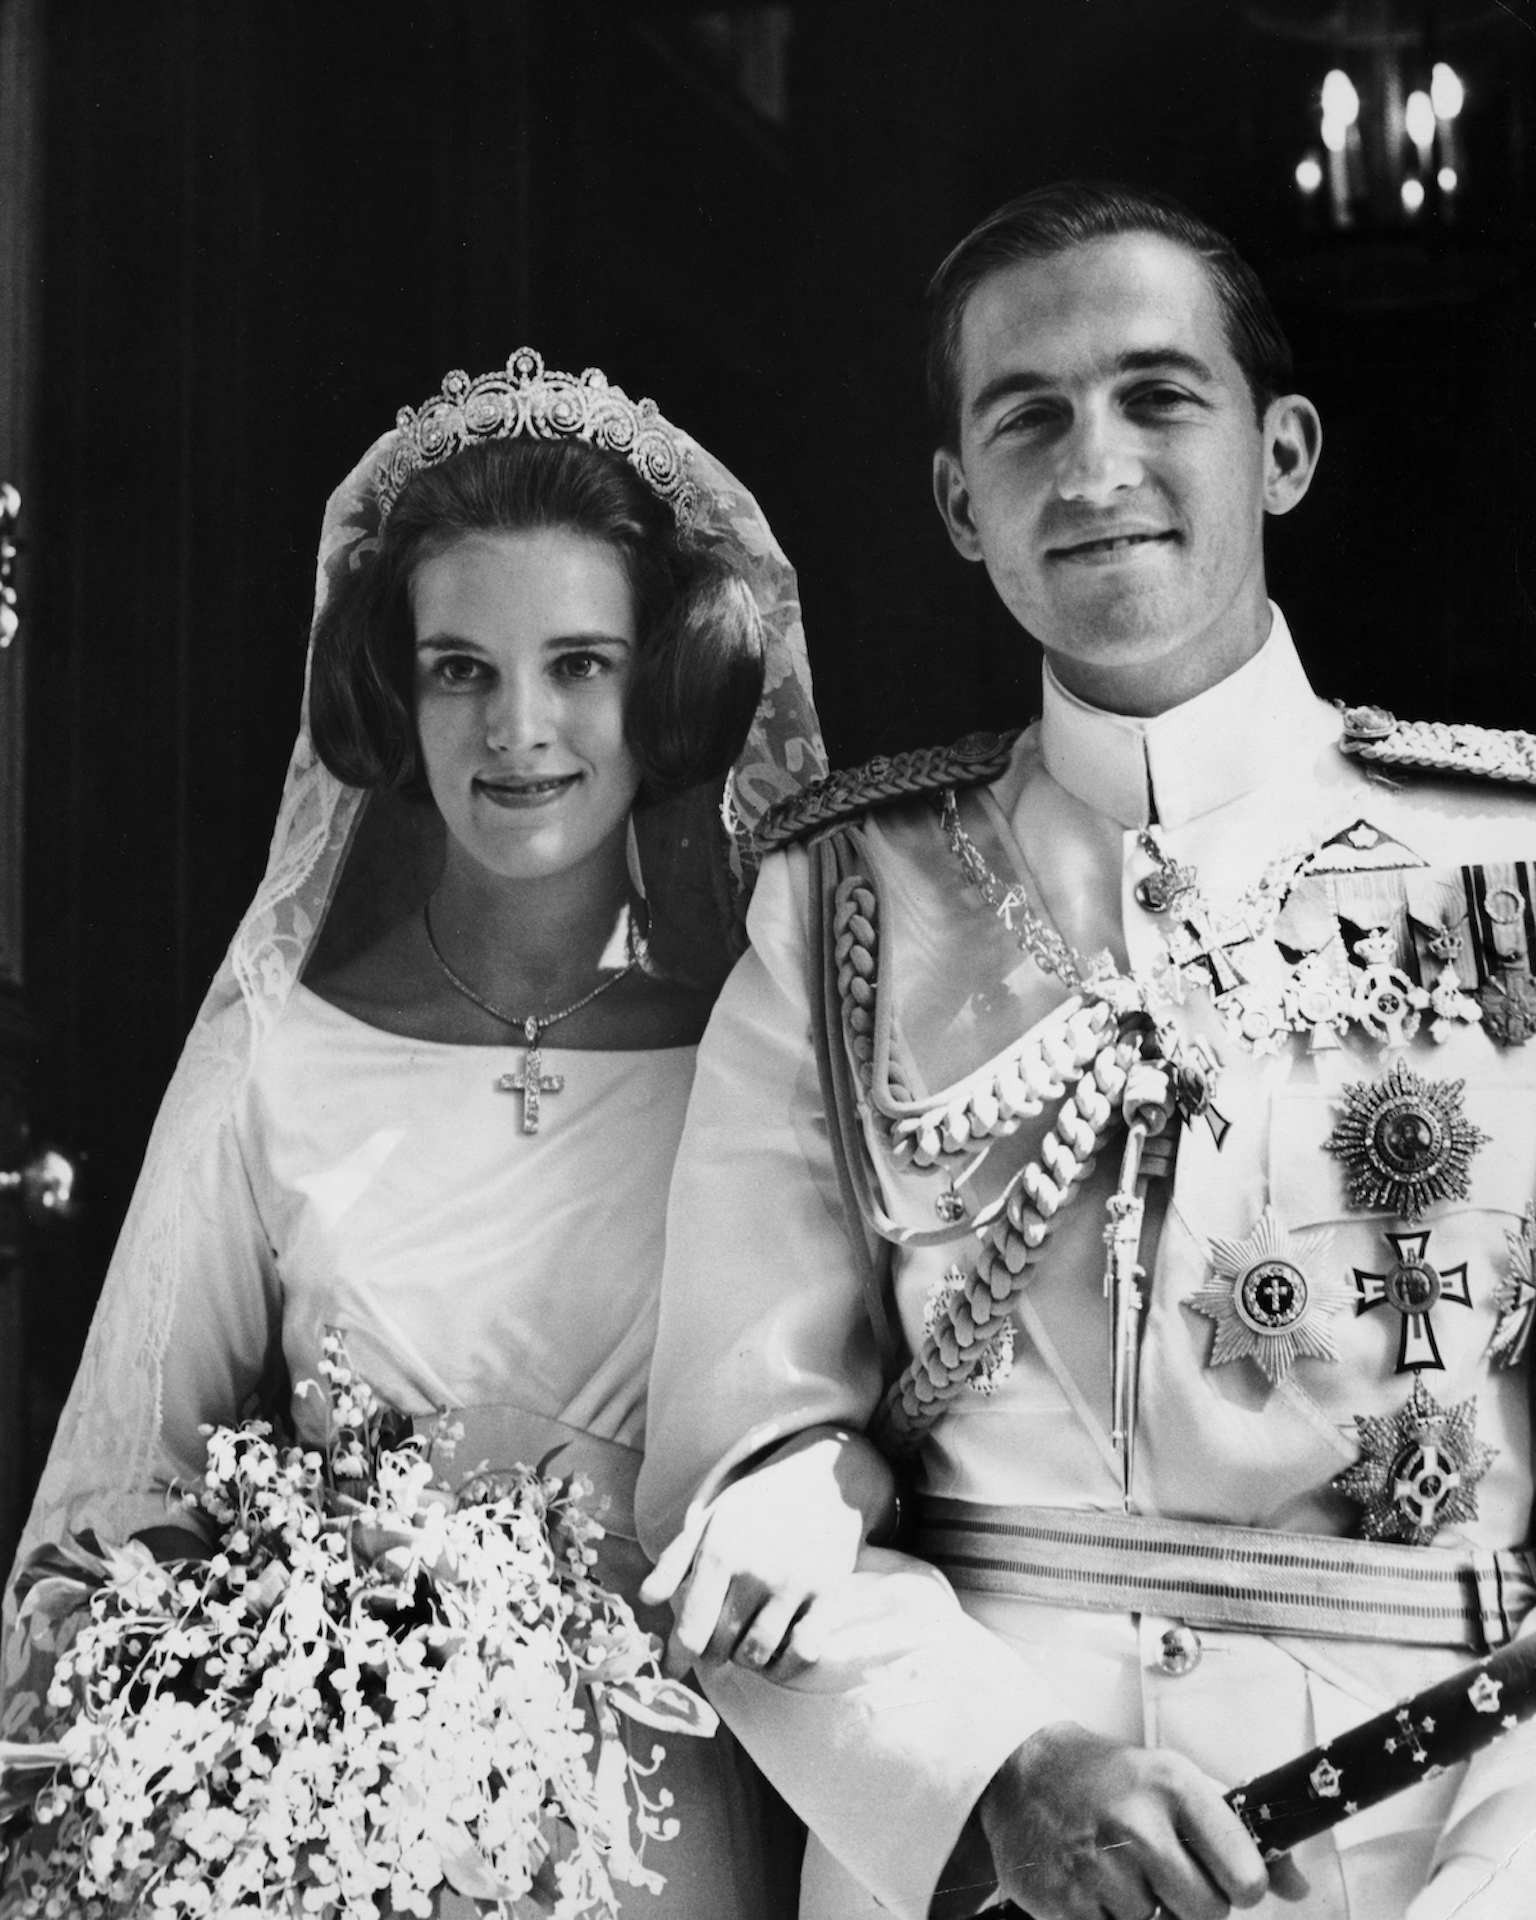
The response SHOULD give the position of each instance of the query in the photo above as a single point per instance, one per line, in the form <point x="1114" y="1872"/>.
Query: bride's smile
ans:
<point x="525" y="645"/>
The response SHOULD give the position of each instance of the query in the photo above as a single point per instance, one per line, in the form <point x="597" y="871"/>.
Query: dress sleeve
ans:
<point x="223" y="1359"/>
<point x="762" y="1327"/>
<point x="885" y="1745"/>
<point x="187" y="1332"/>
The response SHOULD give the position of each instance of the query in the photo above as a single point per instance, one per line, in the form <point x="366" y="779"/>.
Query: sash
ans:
<point x="1211" y="1575"/>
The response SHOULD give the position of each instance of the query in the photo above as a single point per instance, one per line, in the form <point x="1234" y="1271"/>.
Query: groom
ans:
<point x="1328" y="980"/>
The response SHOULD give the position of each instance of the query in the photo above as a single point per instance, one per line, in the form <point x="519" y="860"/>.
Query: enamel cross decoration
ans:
<point x="1413" y="1288"/>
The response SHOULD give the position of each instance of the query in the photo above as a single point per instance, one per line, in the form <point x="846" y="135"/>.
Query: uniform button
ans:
<point x="1179" y="1651"/>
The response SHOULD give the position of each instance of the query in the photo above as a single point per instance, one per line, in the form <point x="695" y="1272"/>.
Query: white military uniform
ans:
<point x="885" y="1746"/>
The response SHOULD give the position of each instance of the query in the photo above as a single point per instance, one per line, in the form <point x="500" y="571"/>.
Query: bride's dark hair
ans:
<point x="699" y="660"/>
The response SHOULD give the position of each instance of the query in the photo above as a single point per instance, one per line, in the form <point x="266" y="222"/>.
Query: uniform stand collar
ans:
<point x="1184" y="763"/>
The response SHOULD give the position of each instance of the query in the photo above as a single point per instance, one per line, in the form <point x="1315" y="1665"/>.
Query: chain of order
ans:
<point x="1011" y="904"/>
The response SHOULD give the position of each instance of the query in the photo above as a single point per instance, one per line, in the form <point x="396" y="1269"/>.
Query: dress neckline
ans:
<point x="512" y="1045"/>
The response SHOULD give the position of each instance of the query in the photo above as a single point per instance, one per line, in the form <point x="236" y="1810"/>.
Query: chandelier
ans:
<point x="1418" y="165"/>
<point x="1402" y="119"/>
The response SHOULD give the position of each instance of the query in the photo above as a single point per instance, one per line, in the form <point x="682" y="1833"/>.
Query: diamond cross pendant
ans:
<point x="531" y="1081"/>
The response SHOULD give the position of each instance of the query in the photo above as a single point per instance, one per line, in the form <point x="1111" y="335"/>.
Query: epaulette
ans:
<point x="879" y="782"/>
<point x="1479" y="753"/>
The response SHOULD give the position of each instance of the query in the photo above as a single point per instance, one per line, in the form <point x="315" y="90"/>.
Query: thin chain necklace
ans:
<point x="530" y="1079"/>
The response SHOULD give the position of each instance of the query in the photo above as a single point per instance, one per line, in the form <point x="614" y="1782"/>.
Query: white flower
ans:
<point x="362" y="1697"/>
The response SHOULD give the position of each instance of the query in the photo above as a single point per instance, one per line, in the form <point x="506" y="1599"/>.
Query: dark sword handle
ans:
<point x="1408" y="1743"/>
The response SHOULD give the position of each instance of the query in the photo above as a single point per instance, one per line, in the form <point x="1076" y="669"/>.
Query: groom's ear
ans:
<point x="952" y="496"/>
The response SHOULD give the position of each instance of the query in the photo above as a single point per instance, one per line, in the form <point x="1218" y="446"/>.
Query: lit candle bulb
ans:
<point x="1419" y="121"/>
<point x="1447" y="96"/>
<point x="1341" y="109"/>
<point x="1446" y="93"/>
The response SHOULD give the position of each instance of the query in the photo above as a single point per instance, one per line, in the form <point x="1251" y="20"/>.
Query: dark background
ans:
<point x="266" y="224"/>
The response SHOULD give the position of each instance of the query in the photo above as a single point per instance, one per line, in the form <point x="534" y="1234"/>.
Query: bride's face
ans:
<point x="525" y="645"/>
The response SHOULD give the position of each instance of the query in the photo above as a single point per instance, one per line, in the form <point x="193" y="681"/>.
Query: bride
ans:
<point x="433" y="1097"/>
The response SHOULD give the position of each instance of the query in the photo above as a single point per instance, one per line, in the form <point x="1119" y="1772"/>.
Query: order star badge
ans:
<point x="1418" y="1470"/>
<point x="1269" y="1301"/>
<point x="1406" y="1142"/>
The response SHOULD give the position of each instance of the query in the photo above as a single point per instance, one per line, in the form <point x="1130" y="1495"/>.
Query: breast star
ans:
<point x="1406" y="1142"/>
<point x="1270" y="1299"/>
<point x="1419" y="1468"/>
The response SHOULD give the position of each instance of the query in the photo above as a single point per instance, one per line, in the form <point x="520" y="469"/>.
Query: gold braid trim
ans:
<point x="1431" y="746"/>
<point x="879" y="782"/>
<point x="989" y="1104"/>
<point x="855" y="950"/>
<point x="1094" y="1058"/>
<point x="1079" y="1054"/>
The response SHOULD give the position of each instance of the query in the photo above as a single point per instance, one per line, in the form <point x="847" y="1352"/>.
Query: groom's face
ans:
<point x="1111" y="465"/>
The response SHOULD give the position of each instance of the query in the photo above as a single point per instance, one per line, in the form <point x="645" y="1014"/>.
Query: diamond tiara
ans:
<point x="528" y="398"/>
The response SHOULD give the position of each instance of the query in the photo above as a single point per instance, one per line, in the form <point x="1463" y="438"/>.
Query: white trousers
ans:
<point x="1248" y="1704"/>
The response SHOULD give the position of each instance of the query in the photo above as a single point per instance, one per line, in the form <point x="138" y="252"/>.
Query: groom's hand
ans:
<point x="1080" y="1827"/>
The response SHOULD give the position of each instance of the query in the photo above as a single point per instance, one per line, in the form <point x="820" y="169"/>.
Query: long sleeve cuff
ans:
<point x="913" y="1700"/>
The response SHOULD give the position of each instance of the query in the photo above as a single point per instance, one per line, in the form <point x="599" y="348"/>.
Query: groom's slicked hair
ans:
<point x="1071" y="214"/>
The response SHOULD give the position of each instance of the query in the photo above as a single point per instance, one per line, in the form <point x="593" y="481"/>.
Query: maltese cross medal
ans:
<point x="1406" y="1142"/>
<point x="1418" y="1470"/>
<point x="1268" y="1300"/>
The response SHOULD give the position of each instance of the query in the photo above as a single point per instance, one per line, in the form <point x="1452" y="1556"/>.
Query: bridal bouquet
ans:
<point x="373" y="1691"/>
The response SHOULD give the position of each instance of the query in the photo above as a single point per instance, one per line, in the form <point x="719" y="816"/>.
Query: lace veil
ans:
<point x="344" y="864"/>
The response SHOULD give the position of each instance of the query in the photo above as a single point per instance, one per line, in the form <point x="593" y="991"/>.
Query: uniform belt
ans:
<point x="1224" y="1576"/>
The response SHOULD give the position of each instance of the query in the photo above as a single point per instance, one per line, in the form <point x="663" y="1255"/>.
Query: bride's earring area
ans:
<point x="632" y="857"/>
<point x="640" y="913"/>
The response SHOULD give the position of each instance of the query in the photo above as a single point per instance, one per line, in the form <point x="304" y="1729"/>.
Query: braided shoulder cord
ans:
<point x="989" y="1104"/>
<point x="900" y="776"/>
<point x="855" y="949"/>
<point x="1013" y="1231"/>
<point x="1485" y="753"/>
